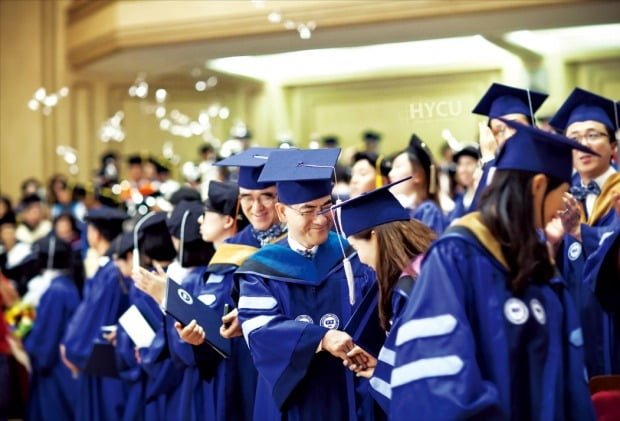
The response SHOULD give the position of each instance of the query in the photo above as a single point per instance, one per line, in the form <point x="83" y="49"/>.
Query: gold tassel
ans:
<point x="432" y="183"/>
<point x="378" y="175"/>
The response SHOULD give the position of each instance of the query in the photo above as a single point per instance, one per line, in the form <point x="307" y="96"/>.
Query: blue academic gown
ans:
<point x="487" y="169"/>
<point x="430" y="215"/>
<point x="137" y="406"/>
<point x="600" y="312"/>
<point x="380" y="381"/>
<point x="459" y="209"/>
<point x="105" y="299"/>
<point x="572" y="258"/>
<point x="287" y="304"/>
<point x="232" y="381"/>
<point x="52" y="387"/>
<point x="467" y="347"/>
<point x="196" y="397"/>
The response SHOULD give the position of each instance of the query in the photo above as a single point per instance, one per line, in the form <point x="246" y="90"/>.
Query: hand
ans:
<point x="72" y="367"/>
<point x="136" y="353"/>
<point x="339" y="343"/>
<point x="193" y="333"/>
<point x="154" y="284"/>
<point x="571" y="216"/>
<point x="488" y="143"/>
<point x="230" y="325"/>
<point x="371" y="362"/>
<point x="110" y="337"/>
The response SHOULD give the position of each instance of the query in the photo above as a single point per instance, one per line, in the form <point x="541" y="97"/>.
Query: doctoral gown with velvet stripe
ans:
<point x="466" y="347"/>
<point x="287" y="303"/>
<point x="52" y="387"/>
<point x="105" y="299"/>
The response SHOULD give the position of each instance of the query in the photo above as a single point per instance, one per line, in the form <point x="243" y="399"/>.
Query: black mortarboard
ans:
<point x="500" y="100"/>
<point x="185" y="193"/>
<point x="371" y="136"/>
<point x="108" y="221"/>
<point x="374" y="159"/>
<point x="183" y="224"/>
<point x="582" y="105"/>
<point x="29" y="200"/>
<point x="222" y="198"/>
<point x="153" y="237"/>
<point x="250" y="163"/>
<point x="53" y="252"/>
<point x="121" y="245"/>
<point x="471" y="151"/>
<point x="135" y="159"/>
<point x="331" y="141"/>
<point x="538" y="151"/>
<point x="301" y="175"/>
<point x="161" y="165"/>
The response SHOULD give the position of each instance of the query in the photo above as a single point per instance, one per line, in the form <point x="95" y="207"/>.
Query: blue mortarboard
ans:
<point x="501" y="100"/>
<point x="153" y="237"/>
<point x="582" y="105"/>
<point x="185" y="193"/>
<point x="183" y="221"/>
<point x="532" y="149"/>
<point x="368" y="210"/>
<point x="121" y="245"/>
<point x="250" y="163"/>
<point x="107" y="220"/>
<point x="301" y="175"/>
<point x="222" y="198"/>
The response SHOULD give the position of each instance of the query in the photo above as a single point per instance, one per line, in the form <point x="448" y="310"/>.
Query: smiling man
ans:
<point x="591" y="120"/>
<point x="294" y="297"/>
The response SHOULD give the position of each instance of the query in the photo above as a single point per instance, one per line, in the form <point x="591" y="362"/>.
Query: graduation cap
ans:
<point x="152" y="237"/>
<point x="582" y="105"/>
<point x="223" y="198"/>
<point x="135" y="159"/>
<point x="121" y="245"/>
<point x="185" y="193"/>
<point x="108" y="221"/>
<point x="301" y="175"/>
<point x="53" y="252"/>
<point x="30" y="200"/>
<point x="330" y="141"/>
<point x="532" y="149"/>
<point x="107" y="197"/>
<point x="250" y="163"/>
<point x="368" y="210"/>
<point x="423" y="155"/>
<point x="471" y="151"/>
<point x="501" y="100"/>
<point x="183" y="224"/>
<point x="371" y="136"/>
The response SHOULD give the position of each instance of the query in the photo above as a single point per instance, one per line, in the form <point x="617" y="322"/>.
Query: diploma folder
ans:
<point x="364" y="325"/>
<point x="185" y="307"/>
<point x="102" y="360"/>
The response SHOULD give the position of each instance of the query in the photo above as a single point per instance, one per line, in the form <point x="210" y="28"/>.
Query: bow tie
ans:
<point x="581" y="192"/>
<point x="308" y="254"/>
<point x="268" y="235"/>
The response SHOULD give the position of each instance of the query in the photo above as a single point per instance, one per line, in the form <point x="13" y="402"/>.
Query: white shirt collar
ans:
<point x="602" y="179"/>
<point x="298" y="247"/>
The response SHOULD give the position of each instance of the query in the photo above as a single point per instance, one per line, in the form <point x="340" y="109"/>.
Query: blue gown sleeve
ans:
<point x="430" y="214"/>
<point x="42" y="342"/>
<point x="282" y="349"/>
<point x="436" y="352"/>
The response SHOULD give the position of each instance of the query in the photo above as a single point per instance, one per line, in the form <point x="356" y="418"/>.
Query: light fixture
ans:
<point x="41" y="100"/>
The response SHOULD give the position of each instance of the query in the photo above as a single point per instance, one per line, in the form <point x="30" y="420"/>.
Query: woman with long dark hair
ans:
<point x="419" y="192"/>
<point x="387" y="240"/>
<point x="490" y="330"/>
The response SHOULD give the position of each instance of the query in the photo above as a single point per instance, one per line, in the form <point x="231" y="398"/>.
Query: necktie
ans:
<point x="581" y="192"/>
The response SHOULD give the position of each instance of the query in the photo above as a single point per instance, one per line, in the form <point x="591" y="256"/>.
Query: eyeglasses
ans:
<point x="313" y="213"/>
<point x="588" y="137"/>
<point x="265" y="199"/>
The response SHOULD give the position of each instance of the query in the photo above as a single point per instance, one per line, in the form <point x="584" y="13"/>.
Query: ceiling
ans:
<point x="527" y="32"/>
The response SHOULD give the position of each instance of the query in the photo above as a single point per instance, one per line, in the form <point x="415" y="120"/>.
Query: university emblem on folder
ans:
<point x="184" y="295"/>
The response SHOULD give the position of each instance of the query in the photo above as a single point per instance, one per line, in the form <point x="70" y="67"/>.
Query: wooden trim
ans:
<point x="81" y="9"/>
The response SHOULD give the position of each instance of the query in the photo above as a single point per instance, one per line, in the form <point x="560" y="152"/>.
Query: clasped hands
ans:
<point x="340" y="344"/>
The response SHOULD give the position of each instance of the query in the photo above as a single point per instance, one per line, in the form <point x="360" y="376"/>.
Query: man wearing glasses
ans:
<point x="234" y="379"/>
<point x="294" y="297"/>
<point x="592" y="120"/>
